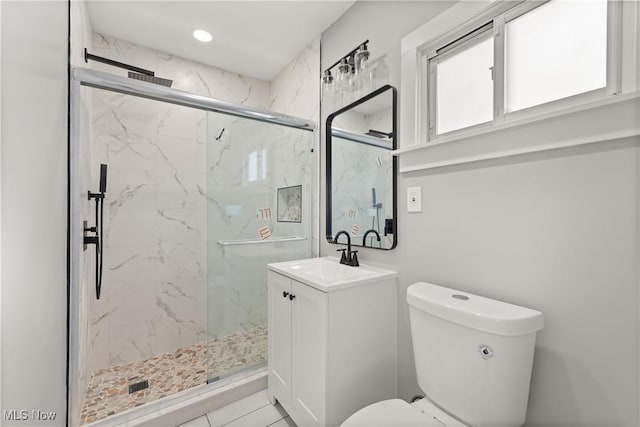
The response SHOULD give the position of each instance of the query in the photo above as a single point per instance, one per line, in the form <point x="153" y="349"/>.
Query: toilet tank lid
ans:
<point x="474" y="311"/>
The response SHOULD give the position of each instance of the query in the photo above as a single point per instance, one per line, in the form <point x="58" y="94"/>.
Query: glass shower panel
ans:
<point x="259" y="193"/>
<point x="146" y="335"/>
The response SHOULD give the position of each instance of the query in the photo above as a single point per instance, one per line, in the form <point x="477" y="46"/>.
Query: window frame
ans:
<point x="496" y="19"/>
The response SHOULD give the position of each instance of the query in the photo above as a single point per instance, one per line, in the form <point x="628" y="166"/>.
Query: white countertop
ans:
<point x="327" y="274"/>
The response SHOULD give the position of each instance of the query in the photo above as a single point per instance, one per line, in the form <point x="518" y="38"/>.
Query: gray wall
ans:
<point x="383" y="23"/>
<point x="556" y="231"/>
<point x="34" y="197"/>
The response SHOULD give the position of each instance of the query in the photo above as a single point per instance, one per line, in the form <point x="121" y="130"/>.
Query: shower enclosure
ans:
<point x="201" y="195"/>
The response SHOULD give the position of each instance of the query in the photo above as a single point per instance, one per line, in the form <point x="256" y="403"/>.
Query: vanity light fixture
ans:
<point x="202" y="35"/>
<point x="353" y="74"/>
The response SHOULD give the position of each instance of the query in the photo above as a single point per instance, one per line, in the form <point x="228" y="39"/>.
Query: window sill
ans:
<point x="612" y="118"/>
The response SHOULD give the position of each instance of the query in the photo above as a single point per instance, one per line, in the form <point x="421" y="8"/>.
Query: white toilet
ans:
<point x="473" y="361"/>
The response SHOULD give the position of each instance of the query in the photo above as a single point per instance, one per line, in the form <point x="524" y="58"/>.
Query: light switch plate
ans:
<point x="414" y="199"/>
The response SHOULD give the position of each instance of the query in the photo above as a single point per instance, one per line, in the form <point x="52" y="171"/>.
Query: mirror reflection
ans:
<point x="361" y="171"/>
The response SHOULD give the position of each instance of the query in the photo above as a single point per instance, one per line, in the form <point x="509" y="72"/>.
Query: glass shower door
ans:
<point x="259" y="188"/>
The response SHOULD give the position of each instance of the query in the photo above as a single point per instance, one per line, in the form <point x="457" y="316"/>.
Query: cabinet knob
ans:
<point x="291" y="297"/>
<point x="285" y="294"/>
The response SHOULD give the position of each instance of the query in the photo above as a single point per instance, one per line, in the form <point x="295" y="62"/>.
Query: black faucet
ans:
<point x="351" y="257"/>
<point x="364" y="238"/>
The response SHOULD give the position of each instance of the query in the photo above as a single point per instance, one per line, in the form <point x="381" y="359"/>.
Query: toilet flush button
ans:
<point x="460" y="297"/>
<point x="485" y="351"/>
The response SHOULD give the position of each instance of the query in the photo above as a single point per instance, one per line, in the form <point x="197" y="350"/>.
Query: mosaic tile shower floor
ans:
<point x="170" y="373"/>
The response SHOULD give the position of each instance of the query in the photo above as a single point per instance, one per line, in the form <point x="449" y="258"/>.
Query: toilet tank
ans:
<point x="473" y="354"/>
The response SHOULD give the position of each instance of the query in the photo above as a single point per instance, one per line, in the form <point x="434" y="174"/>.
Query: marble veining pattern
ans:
<point x="155" y="276"/>
<point x="171" y="372"/>
<point x="296" y="91"/>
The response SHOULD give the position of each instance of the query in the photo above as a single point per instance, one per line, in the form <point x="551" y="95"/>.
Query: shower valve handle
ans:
<point x="285" y="294"/>
<point x="291" y="297"/>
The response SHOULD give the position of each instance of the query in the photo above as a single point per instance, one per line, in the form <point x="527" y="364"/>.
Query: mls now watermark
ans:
<point x="25" y="415"/>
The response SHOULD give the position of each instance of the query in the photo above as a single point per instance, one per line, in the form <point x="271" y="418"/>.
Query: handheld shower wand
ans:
<point x="103" y="178"/>
<point x="377" y="207"/>
<point x="99" y="227"/>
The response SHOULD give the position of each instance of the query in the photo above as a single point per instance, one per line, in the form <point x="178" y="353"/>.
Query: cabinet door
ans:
<point x="309" y="323"/>
<point x="280" y="338"/>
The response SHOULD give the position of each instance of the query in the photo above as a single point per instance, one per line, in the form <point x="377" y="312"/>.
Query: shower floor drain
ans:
<point x="138" y="386"/>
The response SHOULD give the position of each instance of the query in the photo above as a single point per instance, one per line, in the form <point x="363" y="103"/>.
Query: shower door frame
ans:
<point x="100" y="80"/>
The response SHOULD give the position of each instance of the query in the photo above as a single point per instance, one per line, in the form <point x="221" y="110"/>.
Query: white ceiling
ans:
<point x="253" y="38"/>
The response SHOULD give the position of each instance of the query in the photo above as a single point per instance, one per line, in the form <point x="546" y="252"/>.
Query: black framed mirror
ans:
<point x="362" y="172"/>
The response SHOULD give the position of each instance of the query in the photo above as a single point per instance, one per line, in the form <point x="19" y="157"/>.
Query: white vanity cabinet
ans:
<point x="332" y="345"/>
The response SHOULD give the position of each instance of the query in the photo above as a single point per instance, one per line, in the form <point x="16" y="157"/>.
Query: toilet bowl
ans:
<point x="398" y="413"/>
<point x="473" y="362"/>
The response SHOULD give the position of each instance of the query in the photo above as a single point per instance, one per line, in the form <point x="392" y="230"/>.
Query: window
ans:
<point x="533" y="54"/>
<point x="257" y="165"/>
<point x="464" y="90"/>
<point x="555" y="51"/>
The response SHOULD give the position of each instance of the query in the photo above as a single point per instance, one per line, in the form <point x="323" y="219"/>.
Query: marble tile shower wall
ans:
<point x="296" y="91"/>
<point x="155" y="272"/>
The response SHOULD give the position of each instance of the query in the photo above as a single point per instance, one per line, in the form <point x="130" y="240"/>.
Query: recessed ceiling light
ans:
<point x="202" y="35"/>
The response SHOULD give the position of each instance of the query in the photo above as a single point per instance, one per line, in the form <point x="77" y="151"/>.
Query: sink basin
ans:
<point x="327" y="274"/>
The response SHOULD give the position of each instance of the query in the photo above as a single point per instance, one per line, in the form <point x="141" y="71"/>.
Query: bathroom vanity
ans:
<point x="332" y="338"/>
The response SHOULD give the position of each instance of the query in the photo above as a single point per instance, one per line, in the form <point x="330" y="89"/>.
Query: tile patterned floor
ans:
<point x="252" y="411"/>
<point x="170" y="373"/>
